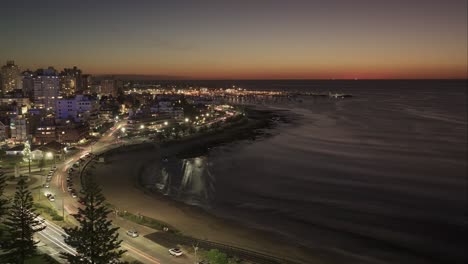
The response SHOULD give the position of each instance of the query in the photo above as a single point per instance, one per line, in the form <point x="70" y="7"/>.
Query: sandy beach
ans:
<point x="121" y="174"/>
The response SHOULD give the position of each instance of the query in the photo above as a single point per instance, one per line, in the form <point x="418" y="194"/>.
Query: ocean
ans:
<point x="379" y="177"/>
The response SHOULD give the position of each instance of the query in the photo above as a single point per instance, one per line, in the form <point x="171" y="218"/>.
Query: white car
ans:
<point x="47" y="185"/>
<point x="69" y="188"/>
<point x="132" y="233"/>
<point x="175" y="252"/>
<point x="51" y="197"/>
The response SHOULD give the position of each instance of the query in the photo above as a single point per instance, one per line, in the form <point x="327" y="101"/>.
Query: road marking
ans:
<point x="58" y="243"/>
<point x="142" y="254"/>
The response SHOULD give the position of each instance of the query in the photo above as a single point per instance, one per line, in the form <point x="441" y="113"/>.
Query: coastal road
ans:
<point x="140" y="248"/>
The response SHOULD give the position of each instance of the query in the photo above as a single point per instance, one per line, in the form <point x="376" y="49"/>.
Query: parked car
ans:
<point x="73" y="194"/>
<point x="69" y="188"/>
<point x="175" y="252"/>
<point x="132" y="233"/>
<point x="51" y="197"/>
<point x="46" y="185"/>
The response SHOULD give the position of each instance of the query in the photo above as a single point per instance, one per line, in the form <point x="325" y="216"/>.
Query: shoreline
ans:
<point x="192" y="220"/>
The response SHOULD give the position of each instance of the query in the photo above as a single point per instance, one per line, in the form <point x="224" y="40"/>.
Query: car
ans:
<point x="46" y="185"/>
<point x="132" y="233"/>
<point x="39" y="227"/>
<point x="69" y="188"/>
<point x="73" y="194"/>
<point x="82" y="201"/>
<point x="70" y="170"/>
<point x="51" y="198"/>
<point x="175" y="252"/>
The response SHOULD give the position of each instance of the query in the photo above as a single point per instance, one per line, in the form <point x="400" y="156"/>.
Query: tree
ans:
<point x="214" y="256"/>
<point x="95" y="240"/>
<point x="3" y="200"/>
<point x="22" y="223"/>
<point x="27" y="155"/>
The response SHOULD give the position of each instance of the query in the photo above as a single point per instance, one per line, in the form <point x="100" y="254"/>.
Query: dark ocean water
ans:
<point x="380" y="177"/>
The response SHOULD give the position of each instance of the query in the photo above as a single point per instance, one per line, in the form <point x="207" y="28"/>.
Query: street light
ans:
<point x="186" y="120"/>
<point x="142" y="126"/>
<point x="166" y="123"/>
<point x="123" y="129"/>
<point x="49" y="155"/>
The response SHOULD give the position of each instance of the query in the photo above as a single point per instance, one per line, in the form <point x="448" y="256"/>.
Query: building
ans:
<point x="27" y="78"/>
<point x="46" y="89"/>
<point x="78" y="108"/>
<point x="15" y="151"/>
<point x="4" y="129"/>
<point x="111" y="87"/>
<point x="18" y="101"/>
<point x="10" y="77"/>
<point x="67" y="85"/>
<point x="86" y="84"/>
<point x="72" y="133"/>
<point x="50" y="151"/>
<point x="44" y="134"/>
<point x="19" y="127"/>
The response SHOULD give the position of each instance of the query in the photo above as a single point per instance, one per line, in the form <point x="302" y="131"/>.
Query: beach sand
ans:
<point x="118" y="176"/>
<point x="121" y="179"/>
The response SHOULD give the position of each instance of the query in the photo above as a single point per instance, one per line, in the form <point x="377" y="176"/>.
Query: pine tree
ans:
<point x="21" y="225"/>
<point x="3" y="200"/>
<point x="95" y="240"/>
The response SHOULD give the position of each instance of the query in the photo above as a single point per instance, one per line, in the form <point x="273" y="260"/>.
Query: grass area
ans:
<point x="149" y="222"/>
<point x="43" y="209"/>
<point x="41" y="259"/>
<point x="9" y="161"/>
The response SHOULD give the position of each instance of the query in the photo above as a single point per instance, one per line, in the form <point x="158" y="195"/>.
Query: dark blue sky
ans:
<point x="240" y="39"/>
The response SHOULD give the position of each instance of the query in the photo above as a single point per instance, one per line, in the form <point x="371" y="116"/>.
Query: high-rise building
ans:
<point x="86" y="82"/>
<point x="72" y="81"/>
<point x="28" y="83"/>
<point x="11" y="77"/>
<point x="67" y="85"/>
<point x="46" y="89"/>
<point x="109" y="87"/>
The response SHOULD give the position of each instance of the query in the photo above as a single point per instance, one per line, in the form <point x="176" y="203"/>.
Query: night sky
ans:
<point x="245" y="39"/>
